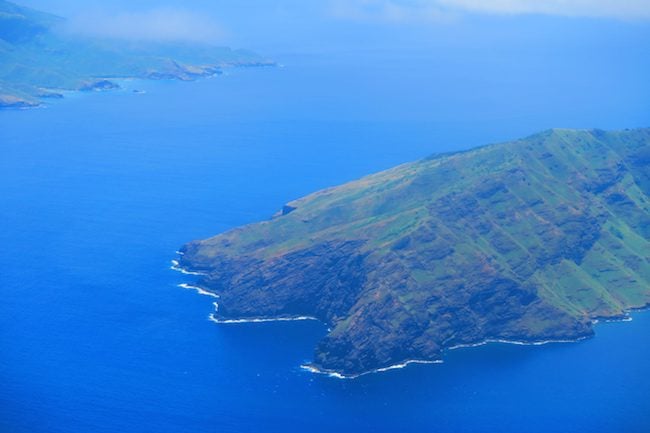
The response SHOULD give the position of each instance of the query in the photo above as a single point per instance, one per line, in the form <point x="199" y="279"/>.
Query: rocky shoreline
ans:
<point x="8" y="101"/>
<point x="176" y="72"/>
<point x="505" y="242"/>
<point x="339" y="374"/>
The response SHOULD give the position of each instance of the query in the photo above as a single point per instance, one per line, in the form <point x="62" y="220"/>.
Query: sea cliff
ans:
<point x="528" y="241"/>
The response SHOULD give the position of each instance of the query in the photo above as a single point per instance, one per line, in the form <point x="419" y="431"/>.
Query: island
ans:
<point x="39" y="60"/>
<point x="530" y="241"/>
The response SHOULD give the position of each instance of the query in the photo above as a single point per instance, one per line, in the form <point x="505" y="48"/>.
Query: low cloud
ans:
<point x="387" y="10"/>
<point x="158" y="25"/>
<point x="626" y="9"/>
<point x="419" y="10"/>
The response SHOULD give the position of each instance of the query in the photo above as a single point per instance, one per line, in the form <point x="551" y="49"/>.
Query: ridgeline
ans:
<point x="527" y="241"/>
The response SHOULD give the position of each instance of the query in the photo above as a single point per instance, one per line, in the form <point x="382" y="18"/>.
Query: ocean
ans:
<point x="98" y="191"/>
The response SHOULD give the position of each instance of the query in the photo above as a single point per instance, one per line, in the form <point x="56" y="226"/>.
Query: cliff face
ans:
<point x="523" y="241"/>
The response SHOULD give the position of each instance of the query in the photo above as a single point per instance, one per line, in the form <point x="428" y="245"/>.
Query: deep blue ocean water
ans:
<point x="97" y="192"/>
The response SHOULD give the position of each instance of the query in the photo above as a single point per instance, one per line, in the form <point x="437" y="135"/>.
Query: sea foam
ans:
<point x="197" y="289"/>
<point x="337" y="375"/>
<point x="176" y="267"/>
<point x="214" y="319"/>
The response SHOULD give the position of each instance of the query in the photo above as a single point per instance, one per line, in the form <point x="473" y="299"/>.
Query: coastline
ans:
<point x="214" y="319"/>
<point x="176" y="267"/>
<point x="198" y="290"/>
<point x="626" y="316"/>
<point x="517" y="342"/>
<point x="338" y="375"/>
<point x="105" y="84"/>
<point x="201" y="291"/>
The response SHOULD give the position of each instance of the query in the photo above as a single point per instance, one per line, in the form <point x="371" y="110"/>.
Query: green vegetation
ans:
<point x="37" y="60"/>
<point x="523" y="241"/>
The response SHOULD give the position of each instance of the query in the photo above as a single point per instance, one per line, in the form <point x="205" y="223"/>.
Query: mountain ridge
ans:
<point x="525" y="241"/>
<point x="37" y="61"/>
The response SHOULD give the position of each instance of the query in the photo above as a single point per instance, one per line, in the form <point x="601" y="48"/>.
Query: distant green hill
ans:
<point x="38" y="61"/>
<point x="526" y="241"/>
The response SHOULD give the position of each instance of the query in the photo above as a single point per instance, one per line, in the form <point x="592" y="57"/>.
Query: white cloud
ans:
<point x="387" y="10"/>
<point x="587" y="8"/>
<point x="163" y="24"/>
<point x="409" y="10"/>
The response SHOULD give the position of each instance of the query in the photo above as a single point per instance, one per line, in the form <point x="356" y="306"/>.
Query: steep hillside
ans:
<point x="526" y="241"/>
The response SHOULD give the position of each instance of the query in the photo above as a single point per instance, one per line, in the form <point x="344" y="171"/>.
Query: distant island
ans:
<point x="529" y="241"/>
<point x="38" y="61"/>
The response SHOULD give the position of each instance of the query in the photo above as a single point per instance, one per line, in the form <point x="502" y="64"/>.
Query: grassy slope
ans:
<point x="528" y="240"/>
<point x="34" y="56"/>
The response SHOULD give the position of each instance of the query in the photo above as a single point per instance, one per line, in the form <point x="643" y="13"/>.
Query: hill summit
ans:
<point x="527" y="241"/>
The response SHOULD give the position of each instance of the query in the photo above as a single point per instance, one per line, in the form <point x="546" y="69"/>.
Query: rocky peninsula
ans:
<point x="528" y="241"/>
